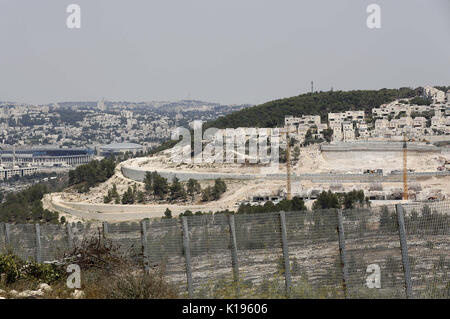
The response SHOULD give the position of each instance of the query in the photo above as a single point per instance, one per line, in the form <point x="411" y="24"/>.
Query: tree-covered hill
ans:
<point x="271" y="114"/>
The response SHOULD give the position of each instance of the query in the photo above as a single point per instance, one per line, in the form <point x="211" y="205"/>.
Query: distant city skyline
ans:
<point x="228" y="52"/>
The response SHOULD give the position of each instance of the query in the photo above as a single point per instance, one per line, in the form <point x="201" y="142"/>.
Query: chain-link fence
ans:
<point x="314" y="254"/>
<point x="397" y="251"/>
<point x="427" y="230"/>
<point x="372" y="238"/>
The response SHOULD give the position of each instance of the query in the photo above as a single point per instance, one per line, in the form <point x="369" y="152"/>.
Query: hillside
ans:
<point x="271" y="114"/>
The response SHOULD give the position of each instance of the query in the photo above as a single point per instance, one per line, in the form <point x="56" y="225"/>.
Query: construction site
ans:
<point x="388" y="172"/>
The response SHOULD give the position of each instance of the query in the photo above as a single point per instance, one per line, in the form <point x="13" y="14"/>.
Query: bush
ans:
<point x="13" y="268"/>
<point x="126" y="285"/>
<point x="10" y="267"/>
<point x="96" y="252"/>
<point x="128" y="196"/>
<point x="214" y="192"/>
<point x="48" y="273"/>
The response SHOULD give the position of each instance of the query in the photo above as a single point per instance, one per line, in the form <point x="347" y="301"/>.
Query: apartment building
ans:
<point x="434" y="94"/>
<point x="352" y="116"/>
<point x="309" y="120"/>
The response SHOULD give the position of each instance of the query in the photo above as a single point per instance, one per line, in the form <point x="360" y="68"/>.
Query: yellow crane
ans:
<point x="405" y="168"/>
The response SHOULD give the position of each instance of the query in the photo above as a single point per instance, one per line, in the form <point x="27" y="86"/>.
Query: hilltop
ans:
<point x="272" y="114"/>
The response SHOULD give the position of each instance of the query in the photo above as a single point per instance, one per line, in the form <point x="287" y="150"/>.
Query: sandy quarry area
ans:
<point x="311" y="160"/>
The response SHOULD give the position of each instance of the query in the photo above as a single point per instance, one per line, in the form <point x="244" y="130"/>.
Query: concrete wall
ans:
<point x="377" y="147"/>
<point x="138" y="174"/>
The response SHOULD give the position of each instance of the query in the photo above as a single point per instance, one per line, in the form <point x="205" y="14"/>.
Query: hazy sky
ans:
<point x="228" y="51"/>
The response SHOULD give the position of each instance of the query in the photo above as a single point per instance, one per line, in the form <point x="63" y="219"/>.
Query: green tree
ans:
<point x="128" y="196"/>
<point x="207" y="194"/>
<point x="352" y="198"/>
<point x="168" y="213"/>
<point x="148" y="181"/>
<point x="328" y="134"/>
<point x="218" y="189"/>
<point x="186" y="213"/>
<point x="107" y="199"/>
<point x="177" y="190"/>
<point x="160" y="186"/>
<point x="326" y="200"/>
<point x="193" y="187"/>
<point x="140" y="197"/>
<point x="298" y="204"/>
<point x="88" y="175"/>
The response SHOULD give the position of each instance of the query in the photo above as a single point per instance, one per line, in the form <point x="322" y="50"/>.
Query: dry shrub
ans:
<point x="109" y="273"/>
<point x="97" y="253"/>
<point x="126" y="283"/>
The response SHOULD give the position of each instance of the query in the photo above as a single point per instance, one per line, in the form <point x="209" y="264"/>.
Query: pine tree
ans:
<point x="177" y="190"/>
<point x="148" y="181"/>
<point x="193" y="187"/>
<point x="128" y="196"/>
<point x="219" y="188"/>
<point x="168" y="213"/>
<point x="160" y="186"/>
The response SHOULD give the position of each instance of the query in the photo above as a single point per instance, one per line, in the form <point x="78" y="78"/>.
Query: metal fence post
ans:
<point x="287" y="266"/>
<point x="187" y="255"/>
<point x="342" y="252"/>
<point x="234" y="255"/>
<point x="404" y="249"/>
<point x="38" y="243"/>
<point x="7" y="236"/>
<point x="105" y="230"/>
<point x="144" y="246"/>
<point x="69" y="236"/>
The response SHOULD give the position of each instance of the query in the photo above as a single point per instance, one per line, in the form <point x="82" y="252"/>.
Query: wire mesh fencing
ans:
<point x="391" y="251"/>
<point x="211" y="263"/>
<point x="126" y="236"/>
<point x="373" y="253"/>
<point x="314" y="254"/>
<point x="163" y="247"/>
<point x="54" y="242"/>
<point x="259" y="253"/>
<point x="427" y="230"/>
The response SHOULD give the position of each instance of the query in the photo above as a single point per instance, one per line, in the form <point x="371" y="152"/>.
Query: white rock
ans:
<point x="30" y="293"/>
<point x="45" y="287"/>
<point x="25" y="293"/>
<point x="78" y="294"/>
<point x="13" y="292"/>
<point x="2" y="298"/>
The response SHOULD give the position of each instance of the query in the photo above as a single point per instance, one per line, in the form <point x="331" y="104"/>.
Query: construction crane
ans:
<point x="405" y="168"/>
